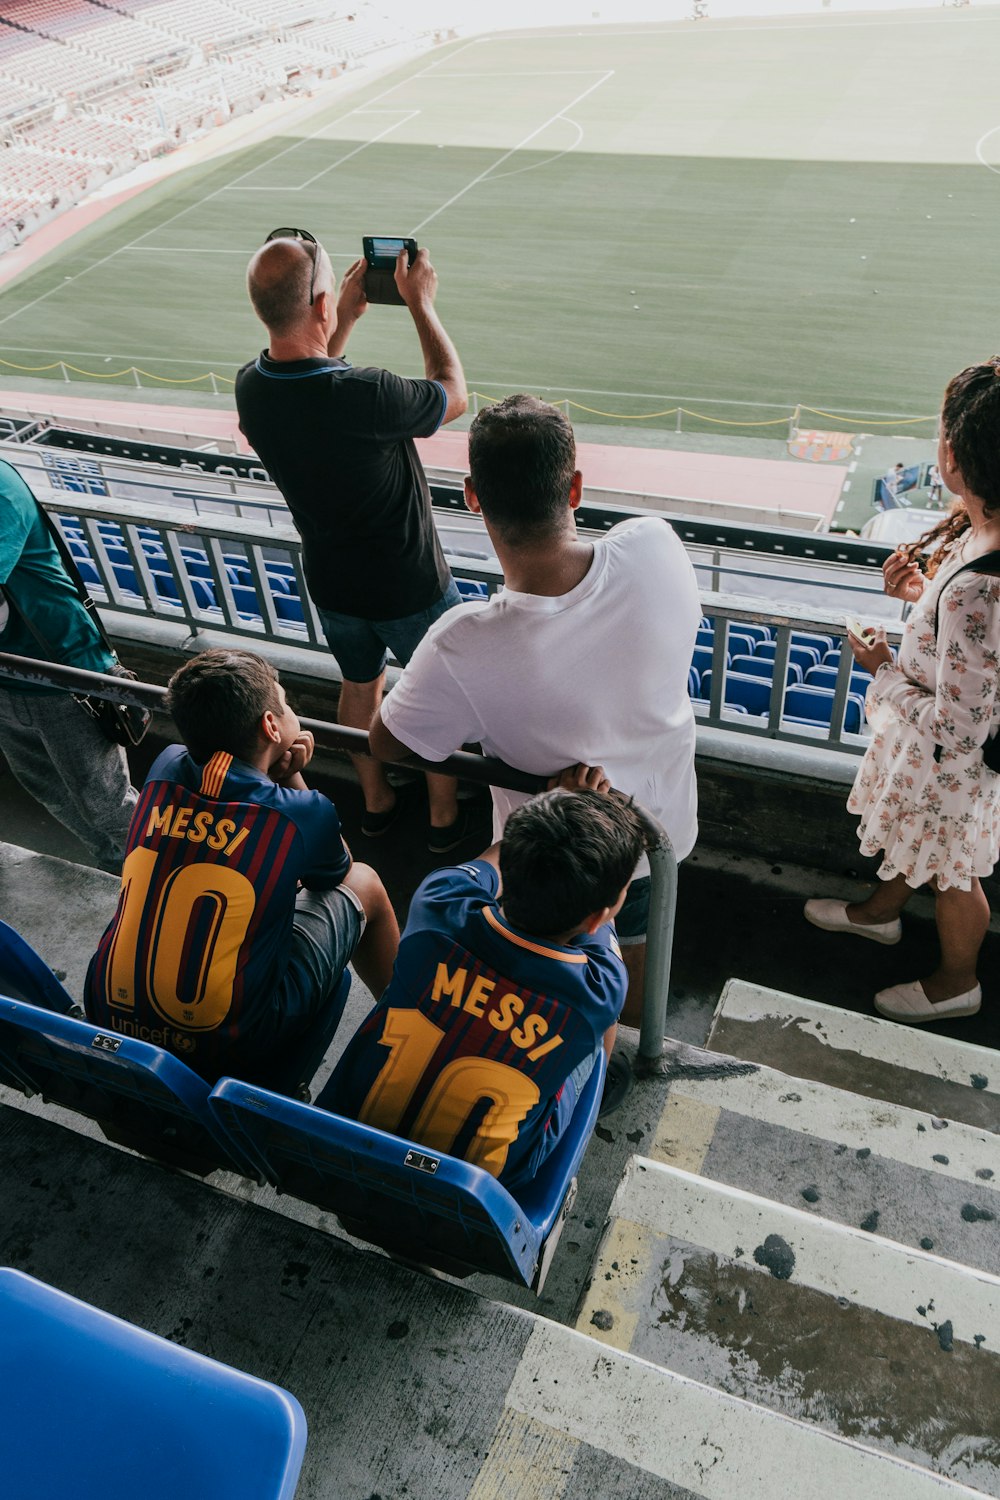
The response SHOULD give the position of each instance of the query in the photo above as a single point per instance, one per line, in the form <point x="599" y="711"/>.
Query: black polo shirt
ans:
<point x="338" y="443"/>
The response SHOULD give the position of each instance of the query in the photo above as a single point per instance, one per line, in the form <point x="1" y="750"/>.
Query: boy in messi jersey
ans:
<point x="214" y="951"/>
<point x="508" y="982"/>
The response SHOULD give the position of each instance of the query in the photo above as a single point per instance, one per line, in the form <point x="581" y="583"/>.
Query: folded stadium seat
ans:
<point x="281" y="567"/>
<point x="705" y="636"/>
<point x="756" y="632"/>
<point x="802" y="656"/>
<point x="694" y="683"/>
<point x="822" y="643"/>
<point x="139" y="1095"/>
<point x="751" y="693"/>
<point x="194" y="1426"/>
<point x="277" y="583"/>
<point x="26" y="976"/>
<point x="78" y="548"/>
<point x="148" y="533"/>
<point x="153" y="551"/>
<point x="246" y="603"/>
<point x="165" y="587"/>
<point x="472" y="588"/>
<point x="197" y="565"/>
<point x="814" y="705"/>
<point x="827" y="677"/>
<point x="69" y="523"/>
<point x="422" y="1205"/>
<point x="88" y="572"/>
<point x="763" y="666"/>
<point x="241" y="576"/>
<point x="204" y="593"/>
<point x="738" y="644"/>
<point x="111" y="532"/>
<point x="702" y="659"/>
<point x="125" y="574"/>
<point x="288" y="607"/>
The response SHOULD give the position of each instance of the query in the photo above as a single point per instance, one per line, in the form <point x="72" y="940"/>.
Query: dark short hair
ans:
<point x="565" y="855"/>
<point x="218" y="700"/>
<point x="970" y="418"/>
<point x="522" y="458"/>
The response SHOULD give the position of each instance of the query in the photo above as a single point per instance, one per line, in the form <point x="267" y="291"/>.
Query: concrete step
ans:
<point x="913" y="1177"/>
<point x="909" y="1065"/>
<point x="411" y="1387"/>
<point x="893" y="1347"/>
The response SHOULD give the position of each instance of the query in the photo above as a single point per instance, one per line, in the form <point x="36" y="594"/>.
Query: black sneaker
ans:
<point x="375" y="824"/>
<point x="443" y="840"/>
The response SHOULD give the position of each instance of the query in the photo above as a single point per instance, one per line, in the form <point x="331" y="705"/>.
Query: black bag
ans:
<point x="122" y="723"/>
<point x="988" y="564"/>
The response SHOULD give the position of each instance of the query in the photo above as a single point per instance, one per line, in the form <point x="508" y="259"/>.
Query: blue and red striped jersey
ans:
<point x="199" y="941"/>
<point x="470" y="1046"/>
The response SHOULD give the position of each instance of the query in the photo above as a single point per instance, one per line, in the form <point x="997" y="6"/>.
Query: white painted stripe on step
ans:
<point x="829" y="1114"/>
<point x="717" y="1446"/>
<point x="836" y="1259"/>
<point x="884" y="1041"/>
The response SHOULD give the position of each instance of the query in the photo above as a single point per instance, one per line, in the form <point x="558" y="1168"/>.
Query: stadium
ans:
<point x="742" y="247"/>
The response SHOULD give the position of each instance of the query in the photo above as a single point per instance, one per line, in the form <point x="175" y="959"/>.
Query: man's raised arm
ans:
<point x="418" y="287"/>
<point x="383" y="744"/>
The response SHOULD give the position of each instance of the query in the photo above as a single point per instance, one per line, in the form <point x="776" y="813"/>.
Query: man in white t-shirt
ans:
<point x="583" y="657"/>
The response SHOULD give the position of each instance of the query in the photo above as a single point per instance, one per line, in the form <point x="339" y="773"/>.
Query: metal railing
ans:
<point x="466" y="766"/>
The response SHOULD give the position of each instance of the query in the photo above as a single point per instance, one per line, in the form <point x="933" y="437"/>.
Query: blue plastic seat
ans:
<point x="204" y="593"/>
<point x="152" y="548"/>
<point x="822" y="643"/>
<point x="197" y="566"/>
<point x="78" y="547"/>
<point x="277" y="583"/>
<point x="756" y="633"/>
<point x="125" y="574"/>
<point x="763" y="666"/>
<point x="238" y="574"/>
<point x="289" y="607"/>
<point x="751" y="693"/>
<point x="815" y="704"/>
<point x="246" y="603"/>
<point x="701" y="660"/>
<point x="738" y="643"/>
<point x="822" y="676"/>
<point x="705" y="637"/>
<point x="694" y="683"/>
<point x="802" y="656"/>
<point x="165" y="587"/>
<point x="426" y="1206"/>
<point x="139" y="1095"/>
<point x="26" y="976"/>
<point x="194" y="1427"/>
<point x="88" y="572"/>
<point x="472" y="588"/>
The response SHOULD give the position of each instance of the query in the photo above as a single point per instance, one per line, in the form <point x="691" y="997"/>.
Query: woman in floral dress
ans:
<point x="924" y="795"/>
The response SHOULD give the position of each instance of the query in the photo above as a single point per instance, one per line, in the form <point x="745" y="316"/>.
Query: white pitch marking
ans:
<point x="404" y="120"/>
<point x="851" y="467"/>
<point x="840" y="505"/>
<point x="979" y="150"/>
<point x="534" y="166"/>
<point x="559" y="114"/>
<point x="847" y="485"/>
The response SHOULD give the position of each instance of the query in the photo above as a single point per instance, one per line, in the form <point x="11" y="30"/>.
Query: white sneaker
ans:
<point x="908" y="1002"/>
<point x="832" y="917"/>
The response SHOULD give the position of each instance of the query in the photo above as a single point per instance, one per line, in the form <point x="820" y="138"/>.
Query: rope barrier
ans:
<point x="869" y="421"/>
<point x="132" y="370"/>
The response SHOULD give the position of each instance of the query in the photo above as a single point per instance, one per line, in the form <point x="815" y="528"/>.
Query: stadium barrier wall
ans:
<point x="468" y="767"/>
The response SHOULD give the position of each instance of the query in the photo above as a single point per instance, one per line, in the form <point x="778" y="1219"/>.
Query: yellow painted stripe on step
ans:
<point x="685" y="1132"/>
<point x="526" y="1459"/>
<point x="608" y="1311"/>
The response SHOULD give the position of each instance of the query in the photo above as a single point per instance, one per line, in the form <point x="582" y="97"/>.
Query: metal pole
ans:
<point x="659" y="946"/>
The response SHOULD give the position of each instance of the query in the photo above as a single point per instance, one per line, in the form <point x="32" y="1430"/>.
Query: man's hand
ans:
<point x="902" y="578"/>
<point x="352" y="302"/>
<point x="416" y="284"/>
<point x="581" y="778"/>
<point x="295" y="759"/>
<point x="870" y="653"/>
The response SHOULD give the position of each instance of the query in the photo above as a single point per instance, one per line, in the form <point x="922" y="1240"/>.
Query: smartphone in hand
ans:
<point x="863" y="633"/>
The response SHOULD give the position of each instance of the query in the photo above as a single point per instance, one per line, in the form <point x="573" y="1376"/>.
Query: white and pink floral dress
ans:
<point x="935" y="817"/>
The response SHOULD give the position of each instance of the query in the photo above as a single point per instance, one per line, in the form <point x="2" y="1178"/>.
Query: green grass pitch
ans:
<point x="770" y="212"/>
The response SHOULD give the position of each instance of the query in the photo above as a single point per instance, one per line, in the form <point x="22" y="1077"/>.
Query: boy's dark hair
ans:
<point x="218" y="700"/>
<point x="565" y="855"/>
<point x="522" y="458"/>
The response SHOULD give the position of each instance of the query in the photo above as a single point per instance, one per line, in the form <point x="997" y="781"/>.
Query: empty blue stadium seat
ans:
<point x="755" y="632"/>
<point x="422" y="1204"/>
<point x="751" y="693"/>
<point x="277" y="583"/>
<point x="194" y="1427"/>
<point x="78" y="547"/>
<point x="472" y="588"/>
<point x="815" y="705"/>
<point x="803" y="656"/>
<point x="739" y="644"/>
<point x="763" y="666"/>
<point x="125" y="574"/>
<point x="26" y="976"/>
<point x="702" y="659"/>
<point x="151" y="548"/>
<point x="280" y="567"/>
<point x="204" y="593"/>
<point x="88" y="572"/>
<point x="139" y="1095"/>
<point x="694" y="683"/>
<point x="827" y="677"/>
<point x="197" y="566"/>
<point x="288" y="607"/>
<point x="165" y="586"/>
<point x="822" y="643"/>
<point x="705" y="637"/>
<point x="239" y="574"/>
<point x="246" y="603"/>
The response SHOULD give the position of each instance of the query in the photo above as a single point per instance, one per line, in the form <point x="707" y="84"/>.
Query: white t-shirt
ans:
<point x="598" y="675"/>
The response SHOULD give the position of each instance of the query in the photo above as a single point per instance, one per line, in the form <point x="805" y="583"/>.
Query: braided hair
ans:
<point x="970" y="420"/>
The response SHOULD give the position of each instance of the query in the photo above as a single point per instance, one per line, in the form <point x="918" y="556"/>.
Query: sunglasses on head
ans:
<point x="307" y="239"/>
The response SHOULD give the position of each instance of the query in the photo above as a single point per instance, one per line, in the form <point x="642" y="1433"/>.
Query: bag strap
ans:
<point x="988" y="564"/>
<point x="82" y="592"/>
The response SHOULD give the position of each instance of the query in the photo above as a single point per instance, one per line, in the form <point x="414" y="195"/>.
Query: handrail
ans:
<point x="470" y="767"/>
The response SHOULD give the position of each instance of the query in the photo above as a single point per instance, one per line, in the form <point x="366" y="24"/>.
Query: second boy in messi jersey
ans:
<point x="508" y="983"/>
<point x="214" y="951"/>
